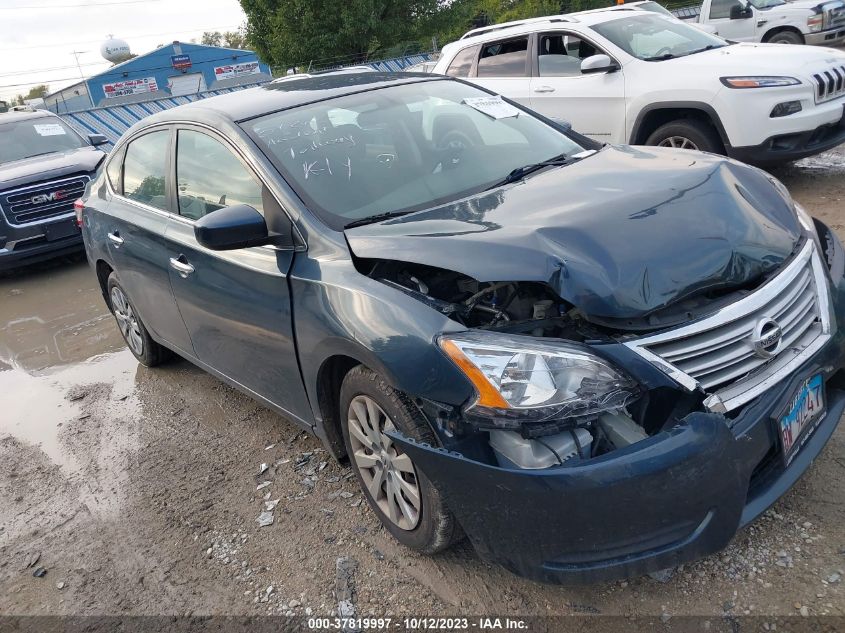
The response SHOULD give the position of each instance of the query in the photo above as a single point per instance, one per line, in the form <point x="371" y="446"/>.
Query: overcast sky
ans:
<point x="37" y="37"/>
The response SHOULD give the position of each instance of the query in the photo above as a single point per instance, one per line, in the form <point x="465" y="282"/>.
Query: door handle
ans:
<point x="544" y="89"/>
<point x="181" y="266"/>
<point x="116" y="239"/>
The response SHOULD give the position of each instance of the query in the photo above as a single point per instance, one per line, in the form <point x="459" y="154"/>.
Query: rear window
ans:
<point x="145" y="169"/>
<point x="504" y="59"/>
<point x="36" y="137"/>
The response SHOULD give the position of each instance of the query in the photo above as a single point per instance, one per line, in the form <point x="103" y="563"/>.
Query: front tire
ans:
<point x="687" y="134"/>
<point x="403" y="499"/>
<point x="786" y="37"/>
<point x="137" y="339"/>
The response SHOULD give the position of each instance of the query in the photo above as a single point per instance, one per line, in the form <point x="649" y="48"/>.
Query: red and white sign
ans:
<point x="236" y="70"/>
<point x="130" y="87"/>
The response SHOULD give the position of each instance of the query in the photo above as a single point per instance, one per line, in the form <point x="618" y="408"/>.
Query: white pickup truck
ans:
<point x="796" y="22"/>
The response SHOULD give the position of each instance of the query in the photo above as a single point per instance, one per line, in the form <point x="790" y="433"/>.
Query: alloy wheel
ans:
<point x="127" y="321"/>
<point x="678" y="142"/>
<point x="389" y="475"/>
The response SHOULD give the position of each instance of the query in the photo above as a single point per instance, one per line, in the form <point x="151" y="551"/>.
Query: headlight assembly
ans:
<point x="522" y="379"/>
<point x="759" y="82"/>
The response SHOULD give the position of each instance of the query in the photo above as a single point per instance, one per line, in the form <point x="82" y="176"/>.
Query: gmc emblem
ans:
<point x="44" y="198"/>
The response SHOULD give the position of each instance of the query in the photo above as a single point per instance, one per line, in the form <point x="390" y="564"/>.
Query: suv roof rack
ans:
<point x="507" y="25"/>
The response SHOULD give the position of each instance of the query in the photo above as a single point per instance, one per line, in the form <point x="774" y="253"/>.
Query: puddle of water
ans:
<point x="52" y="317"/>
<point x="35" y="408"/>
<point x="832" y="162"/>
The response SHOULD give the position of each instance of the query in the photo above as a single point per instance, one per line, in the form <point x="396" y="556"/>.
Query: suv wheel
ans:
<point x="687" y="134"/>
<point x="142" y="346"/>
<point x="403" y="498"/>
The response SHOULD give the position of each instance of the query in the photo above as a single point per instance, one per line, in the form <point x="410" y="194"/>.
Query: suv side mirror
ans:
<point x="97" y="139"/>
<point x="741" y="12"/>
<point x="226" y="229"/>
<point x="598" y="64"/>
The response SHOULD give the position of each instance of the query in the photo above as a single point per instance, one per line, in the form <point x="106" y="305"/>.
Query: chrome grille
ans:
<point x="718" y="353"/>
<point x="43" y="201"/>
<point x="829" y="84"/>
<point x="837" y="17"/>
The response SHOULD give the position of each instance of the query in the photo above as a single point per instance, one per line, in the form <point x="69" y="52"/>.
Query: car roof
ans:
<point x="246" y="104"/>
<point x="518" y="27"/>
<point x="22" y="115"/>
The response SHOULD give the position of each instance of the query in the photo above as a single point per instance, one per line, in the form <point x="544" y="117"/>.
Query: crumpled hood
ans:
<point x="39" y="168"/>
<point x="757" y="58"/>
<point x="620" y="234"/>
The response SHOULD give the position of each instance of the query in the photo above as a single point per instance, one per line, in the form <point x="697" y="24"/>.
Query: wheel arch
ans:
<point x="654" y="115"/>
<point x="103" y="270"/>
<point x="780" y="29"/>
<point x="330" y="377"/>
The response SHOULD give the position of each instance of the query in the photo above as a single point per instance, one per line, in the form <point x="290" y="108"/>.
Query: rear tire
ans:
<point x="687" y="134"/>
<point x="785" y="37"/>
<point x="137" y="339"/>
<point x="405" y="501"/>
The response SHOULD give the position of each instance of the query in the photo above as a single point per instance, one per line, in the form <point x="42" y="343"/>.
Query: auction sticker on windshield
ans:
<point x="805" y="408"/>
<point x="494" y="107"/>
<point x="49" y="129"/>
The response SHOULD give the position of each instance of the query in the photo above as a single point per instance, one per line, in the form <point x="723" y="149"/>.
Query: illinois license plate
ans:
<point x="804" y="410"/>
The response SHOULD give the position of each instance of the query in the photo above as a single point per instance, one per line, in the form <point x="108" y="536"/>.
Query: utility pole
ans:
<point x="76" y="55"/>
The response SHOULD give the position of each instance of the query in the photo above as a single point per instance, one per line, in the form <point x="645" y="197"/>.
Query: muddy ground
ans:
<point x="135" y="490"/>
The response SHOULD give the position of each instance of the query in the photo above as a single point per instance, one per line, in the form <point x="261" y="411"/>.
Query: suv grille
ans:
<point x="44" y="201"/>
<point x="829" y="84"/>
<point x="732" y="350"/>
<point x="837" y="17"/>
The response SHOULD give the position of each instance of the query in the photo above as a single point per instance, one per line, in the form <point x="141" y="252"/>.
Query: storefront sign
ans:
<point x="130" y="87"/>
<point x="236" y="70"/>
<point x="180" y="62"/>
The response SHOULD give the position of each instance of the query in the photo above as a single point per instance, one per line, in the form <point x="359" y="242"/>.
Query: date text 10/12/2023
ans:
<point x="416" y="624"/>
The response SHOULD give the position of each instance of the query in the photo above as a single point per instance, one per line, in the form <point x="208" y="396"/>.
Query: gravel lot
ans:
<point x="135" y="490"/>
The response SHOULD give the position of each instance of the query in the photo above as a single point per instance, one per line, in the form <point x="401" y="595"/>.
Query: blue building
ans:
<point x="170" y="71"/>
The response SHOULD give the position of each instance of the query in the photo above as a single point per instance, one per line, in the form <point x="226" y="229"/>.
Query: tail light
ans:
<point x="78" y="207"/>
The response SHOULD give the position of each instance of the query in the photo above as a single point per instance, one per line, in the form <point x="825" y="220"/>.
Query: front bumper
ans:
<point x="21" y="246"/>
<point x="792" y="146"/>
<point x="676" y="497"/>
<point x="831" y="37"/>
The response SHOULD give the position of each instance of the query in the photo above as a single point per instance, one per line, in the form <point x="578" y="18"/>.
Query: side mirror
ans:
<point x="97" y="139"/>
<point x="741" y="12"/>
<point x="565" y="125"/>
<point x="598" y="64"/>
<point x="226" y="229"/>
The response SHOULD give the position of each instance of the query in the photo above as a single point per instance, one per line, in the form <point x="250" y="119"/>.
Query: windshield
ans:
<point x="402" y="148"/>
<point x="766" y="4"/>
<point x="652" y="37"/>
<point x="32" y="137"/>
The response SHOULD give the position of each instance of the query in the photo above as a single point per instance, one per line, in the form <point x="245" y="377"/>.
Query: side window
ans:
<point x="561" y="54"/>
<point x="462" y="63"/>
<point x="145" y="168"/>
<point x="722" y="8"/>
<point x="114" y="171"/>
<point x="210" y="177"/>
<point x="504" y="59"/>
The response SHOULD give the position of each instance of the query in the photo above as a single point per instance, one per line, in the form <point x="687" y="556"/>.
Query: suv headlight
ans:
<point x="523" y="379"/>
<point x="758" y="81"/>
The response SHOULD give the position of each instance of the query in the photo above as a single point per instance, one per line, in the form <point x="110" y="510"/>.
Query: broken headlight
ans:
<point x="522" y="379"/>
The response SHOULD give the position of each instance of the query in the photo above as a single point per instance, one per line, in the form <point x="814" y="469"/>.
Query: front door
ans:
<point x="593" y="103"/>
<point x="236" y="304"/>
<point x="741" y="30"/>
<point x="134" y="228"/>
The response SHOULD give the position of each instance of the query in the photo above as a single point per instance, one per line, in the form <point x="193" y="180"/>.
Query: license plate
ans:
<point x="805" y="408"/>
<point x="61" y="230"/>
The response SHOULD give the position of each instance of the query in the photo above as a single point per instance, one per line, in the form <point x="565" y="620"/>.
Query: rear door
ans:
<point x="504" y="67"/>
<point x="593" y="103"/>
<point x="134" y="228"/>
<point x="236" y="304"/>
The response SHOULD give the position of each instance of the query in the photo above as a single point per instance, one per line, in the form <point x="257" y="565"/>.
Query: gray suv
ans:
<point x="44" y="167"/>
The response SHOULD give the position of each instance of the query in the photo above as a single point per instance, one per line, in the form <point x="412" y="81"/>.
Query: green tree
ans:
<point x="297" y="32"/>
<point x="37" y="92"/>
<point x="235" y="39"/>
<point x="212" y="38"/>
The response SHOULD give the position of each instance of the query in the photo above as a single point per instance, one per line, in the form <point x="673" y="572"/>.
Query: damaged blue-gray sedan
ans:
<point x="592" y="361"/>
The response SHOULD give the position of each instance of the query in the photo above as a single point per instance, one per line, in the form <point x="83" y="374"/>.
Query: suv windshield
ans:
<point x="26" y="138"/>
<point x="766" y="4"/>
<point x="653" y="37"/>
<point x="402" y="148"/>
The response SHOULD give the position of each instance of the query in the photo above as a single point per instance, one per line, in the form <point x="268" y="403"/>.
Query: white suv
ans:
<point x="633" y="76"/>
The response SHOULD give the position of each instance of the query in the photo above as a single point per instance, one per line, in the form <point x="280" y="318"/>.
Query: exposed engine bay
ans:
<point x="528" y="309"/>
